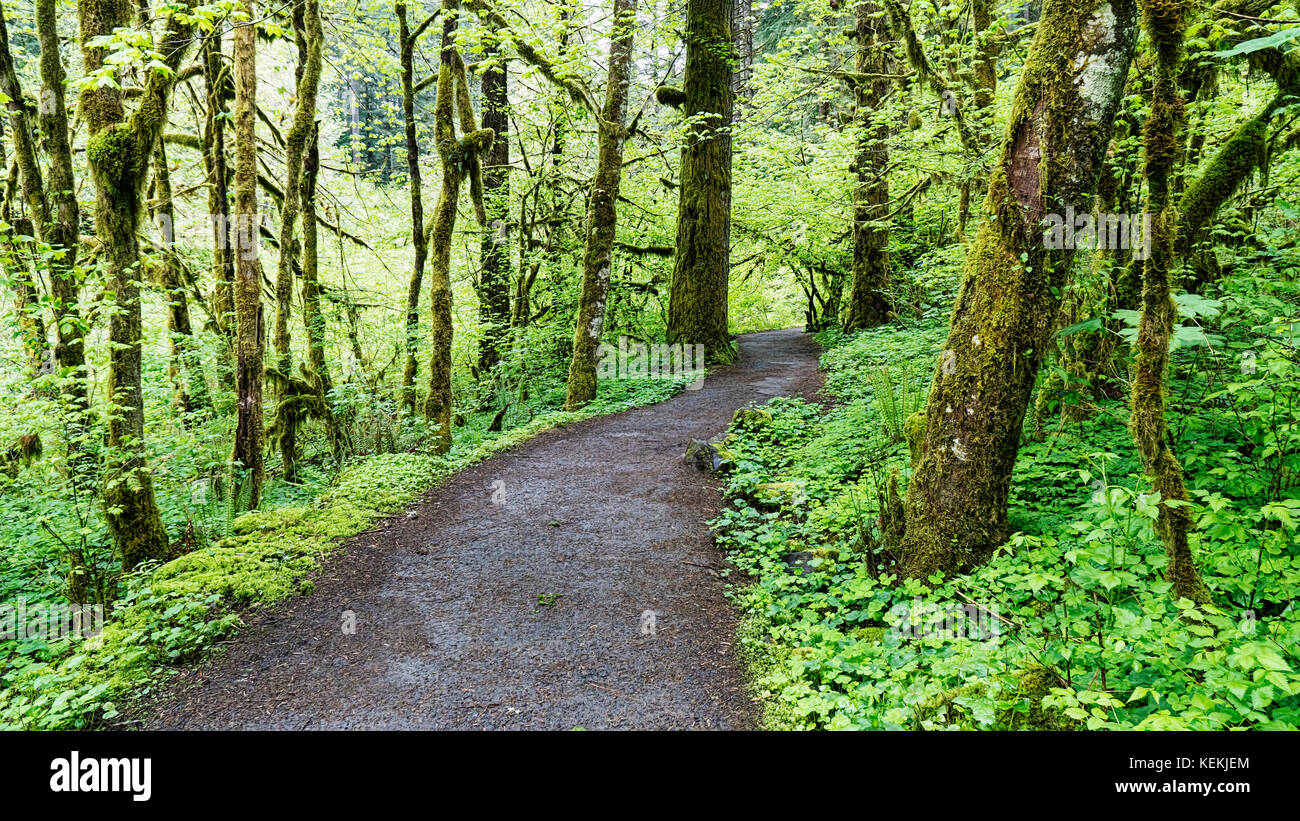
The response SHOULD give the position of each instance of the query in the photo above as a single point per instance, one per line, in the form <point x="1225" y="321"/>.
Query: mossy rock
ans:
<point x="711" y="456"/>
<point x="1027" y="711"/>
<point x="751" y="418"/>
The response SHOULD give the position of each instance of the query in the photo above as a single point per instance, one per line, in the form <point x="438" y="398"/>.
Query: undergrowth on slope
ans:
<point x="1071" y="625"/>
<point x="170" y="614"/>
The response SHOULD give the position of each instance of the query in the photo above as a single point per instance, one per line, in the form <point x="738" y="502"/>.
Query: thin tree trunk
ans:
<point x="419" y="239"/>
<point x="494" y="253"/>
<point x="307" y="29"/>
<point x="217" y="85"/>
<point x="184" y="368"/>
<point x="313" y="317"/>
<point x="249" y="333"/>
<point x="118" y="153"/>
<point x="1165" y="23"/>
<point x="602" y="210"/>
<point x="459" y="159"/>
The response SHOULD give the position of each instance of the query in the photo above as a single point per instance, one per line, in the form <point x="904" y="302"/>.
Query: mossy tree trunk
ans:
<point x="602" y="212"/>
<point x="1165" y="22"/>
<point x="218" y="88"/>
<point x="1243" y="152"/>
<point x="1054" y="146"/>
<point x="313" y="318"/>
<point x="289" y="396"/>
<point x="459" y="158"/>
<point x="407" y="38"/>
<point x="21" y="274"/>
<point x="868" y="306"/>
<point x="247" y="458"/>
<point x="118" y="152"/>
<point x="697" y="299"/>
<point x="183" y="366"/>
<point x="742" y="23"/>
<point x="52" y="201"/>
<point x="494" y="252"/>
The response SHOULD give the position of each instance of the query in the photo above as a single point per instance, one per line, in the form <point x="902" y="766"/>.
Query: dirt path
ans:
<point x="449" y="633"/>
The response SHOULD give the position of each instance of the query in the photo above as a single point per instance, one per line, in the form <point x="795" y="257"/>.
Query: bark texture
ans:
<point x="118" y="153"/>
<point x="868" y="306"/>
<point x="1164" y="21"/>
<point x="494" y="253"/>
<point x="249" y="470"/>
<point x="602" y="212"/>
<point x="459" y="156"/>
<point x="697" y="300"/>
<point x="1051" y="156"/>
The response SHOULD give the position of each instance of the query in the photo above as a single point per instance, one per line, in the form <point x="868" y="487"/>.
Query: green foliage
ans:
<point x="1086" y="634"/>
<point x="172" y="613"/>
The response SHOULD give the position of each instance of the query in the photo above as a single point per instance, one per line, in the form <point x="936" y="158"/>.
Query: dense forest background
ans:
<point x="1049" y="248"/>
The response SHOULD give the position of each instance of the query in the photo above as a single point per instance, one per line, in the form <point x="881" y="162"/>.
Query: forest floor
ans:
<point x="515" y="595"/>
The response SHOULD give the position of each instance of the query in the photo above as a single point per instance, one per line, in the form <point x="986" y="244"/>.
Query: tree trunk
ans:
<point x="459" y="159"/>
<point x="184" y="368"/>
<point x="868" y="306"/>
<point x="494" y="282"/>
<point x="602" y="210"/>
<point x="1163" y="140"/>
<point x="249" y="333"/>
<point x="313" y="318"/>
<point x="217" y="88"/>
<point x="743" y="26"/>
<point x="419" y="239"/>
<point x="1006" y="311"/>
<point x="307" y="28"/>
<point x="697" y="301"/>
<point x="118" y="152"/>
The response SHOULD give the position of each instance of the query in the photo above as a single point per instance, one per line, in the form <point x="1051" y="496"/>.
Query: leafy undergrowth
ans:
<point x="1071" y="625"/>
<point x="173" y="612"/>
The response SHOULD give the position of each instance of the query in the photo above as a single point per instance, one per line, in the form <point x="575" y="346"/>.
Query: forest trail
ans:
<point x="449" y="631"/>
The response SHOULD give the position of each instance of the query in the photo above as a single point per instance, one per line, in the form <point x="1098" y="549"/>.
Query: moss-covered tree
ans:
<point x="292" y="394"/>
<point x="697" y="299"/>
<point x="1054" y="145"/>
<point x="494" y="251"/>
<point x="868" y="306"/>
<point x="1165" y="23"/>
<point x="247" y="457"/>
<point x="602" y="211"/>
<point x="459" y="158"/>
<point x="406" y="40"/>
<point x="118" y="152"/>
<point x="218" y="89"/>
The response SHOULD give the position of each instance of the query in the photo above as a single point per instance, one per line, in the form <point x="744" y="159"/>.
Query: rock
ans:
<point x="711" y="455"/>
<point x="751" y="418"/>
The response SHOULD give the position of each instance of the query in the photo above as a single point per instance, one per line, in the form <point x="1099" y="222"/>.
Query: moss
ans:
<point x="914" y="433"/>
<point x="268" y="556"/>
<point x="751" y="418"/>
<point x="670" y="96"/>
<point x="1059" y="126"/>
<point x="1027" y="711"/>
